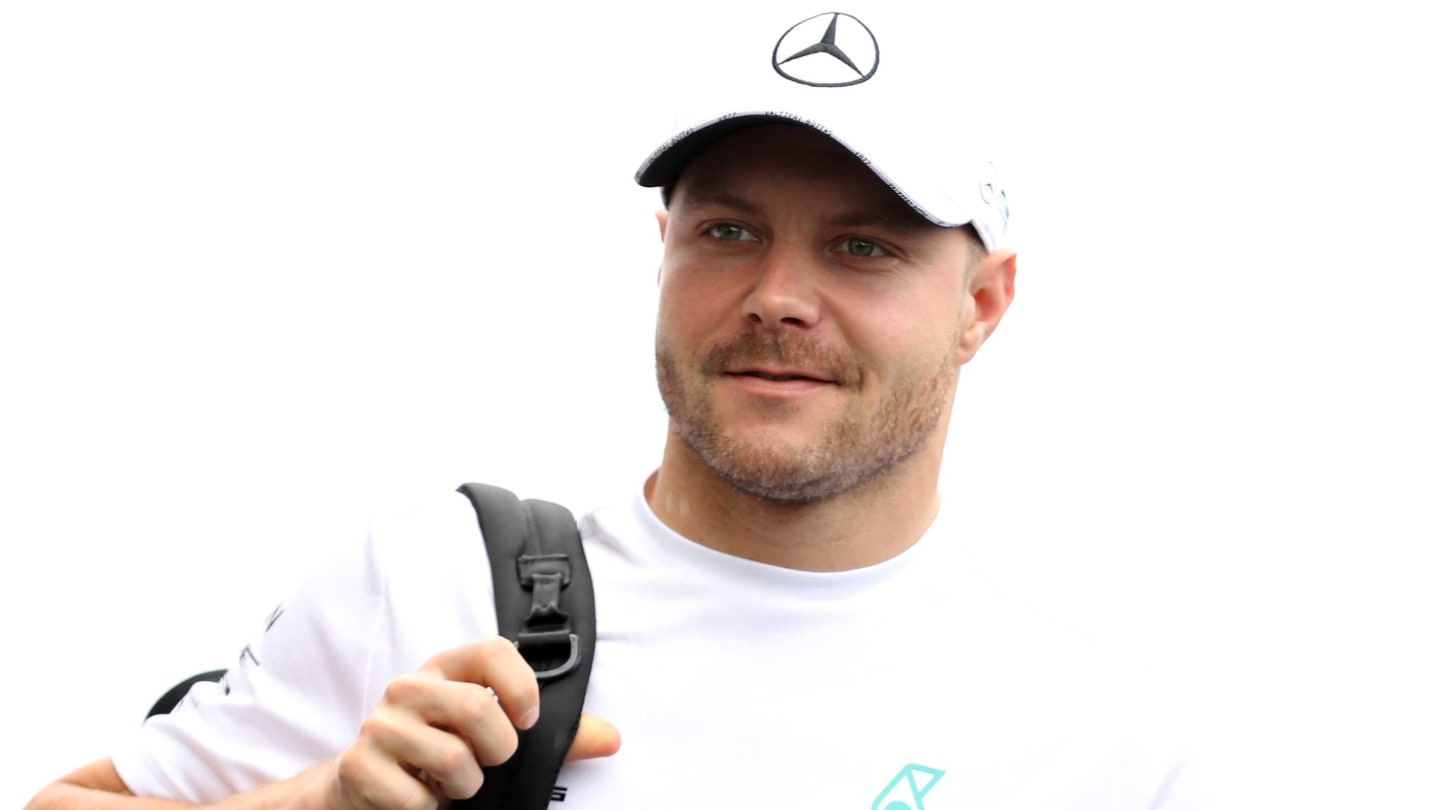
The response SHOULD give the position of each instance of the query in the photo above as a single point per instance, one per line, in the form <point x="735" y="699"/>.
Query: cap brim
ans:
<point x="663" y="167"/>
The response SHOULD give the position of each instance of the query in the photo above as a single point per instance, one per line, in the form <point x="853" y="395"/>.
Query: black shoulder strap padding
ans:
<point x="545" y="603"/>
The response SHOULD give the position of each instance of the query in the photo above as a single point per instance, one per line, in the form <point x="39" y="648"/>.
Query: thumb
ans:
<point x="594" y="738"/>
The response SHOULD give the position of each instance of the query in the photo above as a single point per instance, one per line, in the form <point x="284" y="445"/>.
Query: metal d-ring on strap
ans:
<point x="547" y="626"/>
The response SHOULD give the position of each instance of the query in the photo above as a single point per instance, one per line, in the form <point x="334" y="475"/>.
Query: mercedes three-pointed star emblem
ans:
<point x="827" y="48"/>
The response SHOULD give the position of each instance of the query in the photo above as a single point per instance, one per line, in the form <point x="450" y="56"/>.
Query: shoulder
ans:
<point x="426" y="553"/>
<point x="413" y="578"/>
<point x="393" y="540"/>
<point x="440" y="525"/>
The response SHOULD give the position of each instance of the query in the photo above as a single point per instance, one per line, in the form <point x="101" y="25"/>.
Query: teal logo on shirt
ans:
<point x="907" y="789"/>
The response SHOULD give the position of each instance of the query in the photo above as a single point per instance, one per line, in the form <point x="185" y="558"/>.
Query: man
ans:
<point x="786" y="616"/>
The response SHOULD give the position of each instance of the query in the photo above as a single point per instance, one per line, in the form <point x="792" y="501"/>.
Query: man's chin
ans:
<point x="780" y="488"/>
<point x="771" y="469"/>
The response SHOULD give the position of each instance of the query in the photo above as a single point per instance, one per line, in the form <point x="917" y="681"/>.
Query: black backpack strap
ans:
<point x="545" y="603"/>
<point x="177" y="693"/>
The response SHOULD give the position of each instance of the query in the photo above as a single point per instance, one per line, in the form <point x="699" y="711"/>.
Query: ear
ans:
<point x="992" y="288"/>
<point x="662" y="218"/>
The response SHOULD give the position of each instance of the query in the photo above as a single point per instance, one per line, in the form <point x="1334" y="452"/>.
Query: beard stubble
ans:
<point x="854" y="448"/>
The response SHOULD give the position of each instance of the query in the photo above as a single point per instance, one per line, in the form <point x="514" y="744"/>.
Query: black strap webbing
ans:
<point x="545" y="603"/>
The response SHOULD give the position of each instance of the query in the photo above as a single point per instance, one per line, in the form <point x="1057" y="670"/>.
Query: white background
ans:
<point x="266" y="267"/>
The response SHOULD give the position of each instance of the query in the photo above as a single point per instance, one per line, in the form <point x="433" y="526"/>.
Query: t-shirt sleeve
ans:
<point x="418" y="582"/>
<point x="292" y="698"/>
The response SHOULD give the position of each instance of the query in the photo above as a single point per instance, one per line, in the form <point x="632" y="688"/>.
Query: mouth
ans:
<point x="779" y="375"/>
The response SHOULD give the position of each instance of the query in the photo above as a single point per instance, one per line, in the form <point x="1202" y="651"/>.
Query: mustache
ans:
<point x="788" y="350"/>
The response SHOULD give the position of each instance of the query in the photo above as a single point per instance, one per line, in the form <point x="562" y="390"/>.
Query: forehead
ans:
<point x="773" y="160"/>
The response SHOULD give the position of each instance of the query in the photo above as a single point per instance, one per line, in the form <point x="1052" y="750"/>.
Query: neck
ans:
<point x="870" y="524"/>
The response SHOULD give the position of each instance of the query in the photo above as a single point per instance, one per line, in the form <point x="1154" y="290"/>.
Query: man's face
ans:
<point x="811" y="324"/>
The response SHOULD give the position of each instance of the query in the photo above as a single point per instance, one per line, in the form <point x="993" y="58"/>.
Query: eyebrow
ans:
<point x="721" y="199"/>
<point x="888" y="218"/>
<point x="895" y="218"/>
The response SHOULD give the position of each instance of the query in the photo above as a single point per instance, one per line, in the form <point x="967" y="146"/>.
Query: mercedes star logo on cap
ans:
<point x="815" y="63"/>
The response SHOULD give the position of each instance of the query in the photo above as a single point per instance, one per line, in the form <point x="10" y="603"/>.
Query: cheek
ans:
<point x="908" y="341"/>
<point x="671" y="308"/>
<point x="689" y="299"/>
<point x="681" y="315"/>
<point x="673" y="281"/>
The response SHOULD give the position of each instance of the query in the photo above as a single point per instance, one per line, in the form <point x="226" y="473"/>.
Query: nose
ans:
<point x="784" y="292"/>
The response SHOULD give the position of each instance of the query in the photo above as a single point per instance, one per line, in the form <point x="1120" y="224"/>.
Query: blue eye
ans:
<point x="863" y="248"/>
<point x="730" y="233"/>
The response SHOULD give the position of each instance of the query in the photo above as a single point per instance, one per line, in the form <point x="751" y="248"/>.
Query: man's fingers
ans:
<point x="493" y="662"/>
<point x="466" y="709"/>
<point x="436" y="728"/>
<point x="595" y="738"/>
<point x="448" y="763"/>
<point x="365" y="777"/>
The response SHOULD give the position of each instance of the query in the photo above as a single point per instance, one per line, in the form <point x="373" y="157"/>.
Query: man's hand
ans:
<point x="436" y="728"/>
<point x="424" y="743"/>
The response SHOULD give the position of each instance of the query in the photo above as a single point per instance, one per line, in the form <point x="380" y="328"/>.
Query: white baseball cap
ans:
<point x="879" y="92"/>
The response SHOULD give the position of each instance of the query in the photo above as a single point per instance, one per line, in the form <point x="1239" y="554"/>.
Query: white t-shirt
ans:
<point x="915" y="683"/>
